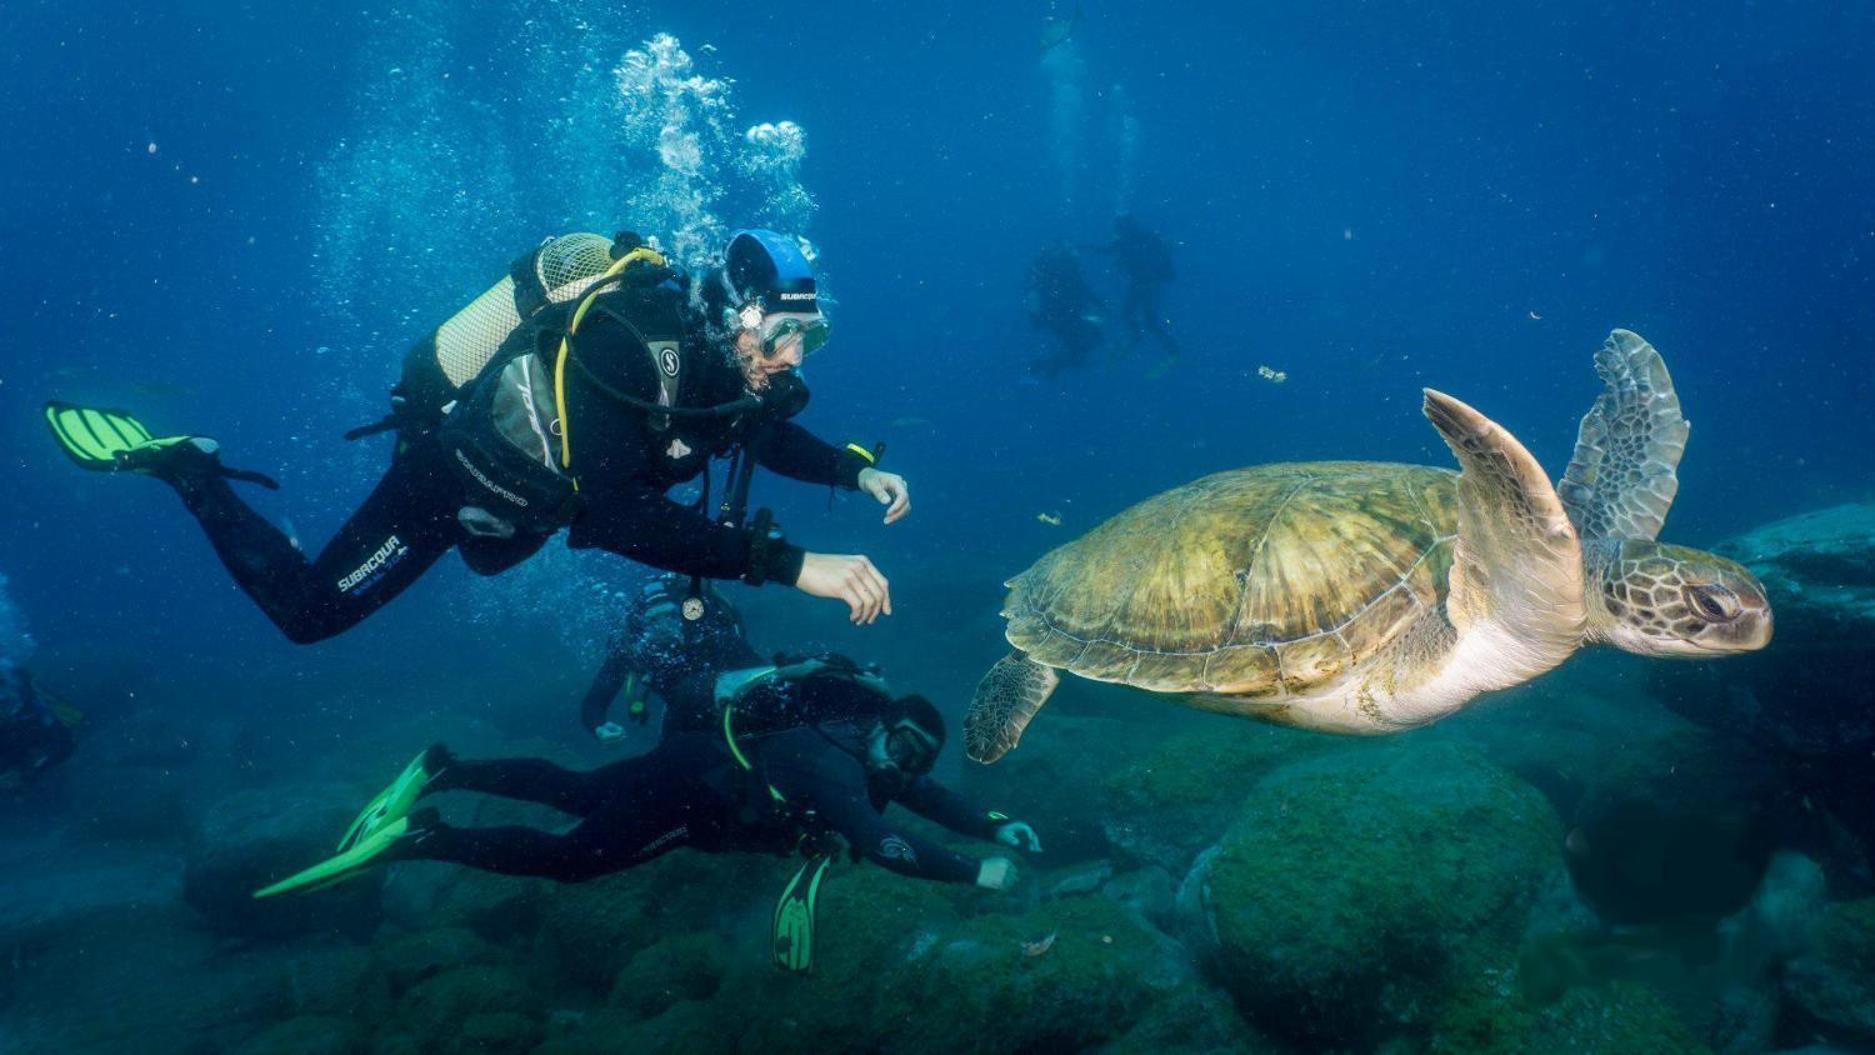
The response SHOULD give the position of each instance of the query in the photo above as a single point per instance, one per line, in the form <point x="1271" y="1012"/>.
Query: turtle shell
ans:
<point x="1256" y="582"/>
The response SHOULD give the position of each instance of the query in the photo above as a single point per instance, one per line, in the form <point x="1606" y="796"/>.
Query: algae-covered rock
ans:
<point x="691" y="1028"/>
<point x="1618" y="1019"/>
<point x="1193" y="1020"/>
<point x="1054" y="782"/>
<point x="592" y="930"/>
<point x="989" y="986"/>
<point x="681" y="968"/>
<point x="502" y="909"/>
<point x="252" y="838"/>
<point x="306" y="1035"/>
<point x="1167" y="804"/>
<point x="899" y="971"/>
<point x="134" y="978"/>
<point x="409" y="959"/>
<point x="1834" y="983"/>
<point x="1804" y="693"/>
<point x="1150" y="891"/>
<point x="1355" y="888"/>
<point x="342" y="980"/>
<point x="1682" y="834"/>
<point x="495" y="1033"/>
<point x="437" y="1006"/>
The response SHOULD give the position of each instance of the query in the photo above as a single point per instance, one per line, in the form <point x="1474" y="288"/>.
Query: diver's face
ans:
<point x="900" y="753"/>
<point x="758" y="366"/>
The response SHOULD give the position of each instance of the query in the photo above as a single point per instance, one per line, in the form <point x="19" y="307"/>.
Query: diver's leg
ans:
<point x="618" y="666"/>
<point x="1138" y="313"/>
<point x="401" y="529"/>
<point x="650" y="806"/>
<point x="1154" y="318"/>
<point x="528" y="780"/>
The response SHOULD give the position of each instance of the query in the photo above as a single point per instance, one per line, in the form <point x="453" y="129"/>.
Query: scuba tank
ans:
<point x="768" y="700"/>
<point x="439" y="366"/>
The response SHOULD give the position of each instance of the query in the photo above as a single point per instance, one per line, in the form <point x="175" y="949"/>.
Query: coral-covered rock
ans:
<point x="675" y="970"/>
<point x="1806" y="693"/>
<point x="1166" y="804"/>
<point x="412" y="958"/>
<point x="1834" y="983"/>
<point x="1681" y="834"/>
<point x="1356" y="889"/>
<point x="495" y="1033"/>
<point x="306" y="1035"/>
<point x="252" y="838"/>
<point x="1054" y="781"/>
<point x="437" y="1007"/>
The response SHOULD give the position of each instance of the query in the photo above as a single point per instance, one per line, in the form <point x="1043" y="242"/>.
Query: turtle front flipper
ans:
<point x="1006" y="701"/>
<point x="1516" y="579"/>
<point x="1623" y="475"/>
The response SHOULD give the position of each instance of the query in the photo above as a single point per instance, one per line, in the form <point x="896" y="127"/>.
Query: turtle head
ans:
<point x="1661" y="600"/>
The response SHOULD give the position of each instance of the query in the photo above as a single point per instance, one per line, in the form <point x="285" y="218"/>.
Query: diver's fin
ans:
<point x="339" y="868"/>
<point x="794" y="916"/>
<point x="395" y="801"/>
<point x="113" y="441"/>
<point x="93" y="436"/>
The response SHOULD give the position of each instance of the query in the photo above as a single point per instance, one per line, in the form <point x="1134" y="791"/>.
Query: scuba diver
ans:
<point x="1063" y="305"/>
<point x="1145" y="261"/>
<point x="674" y="641"/>
<point x="34" y="735"/>
<point x="573" y="394"/>
<point x="804" y="758"/>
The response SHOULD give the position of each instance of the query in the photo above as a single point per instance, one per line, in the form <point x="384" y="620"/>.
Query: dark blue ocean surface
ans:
<point x="234" y="218"/>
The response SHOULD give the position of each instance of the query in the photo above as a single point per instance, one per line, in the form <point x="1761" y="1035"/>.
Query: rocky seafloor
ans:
<point x="1623" y="857"/>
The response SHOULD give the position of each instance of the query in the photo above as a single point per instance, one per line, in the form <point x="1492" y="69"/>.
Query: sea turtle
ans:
<point x="1364" y="597"/>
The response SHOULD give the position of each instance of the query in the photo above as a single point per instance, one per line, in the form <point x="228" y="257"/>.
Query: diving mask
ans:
<point x="778" y="328"/>
<point x="910" y="748"/>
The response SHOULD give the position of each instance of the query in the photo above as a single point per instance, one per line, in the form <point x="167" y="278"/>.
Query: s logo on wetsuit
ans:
<point x="893" y="848"/>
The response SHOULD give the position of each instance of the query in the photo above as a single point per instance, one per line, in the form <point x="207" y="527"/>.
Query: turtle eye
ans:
<point x="1714" y="603"/>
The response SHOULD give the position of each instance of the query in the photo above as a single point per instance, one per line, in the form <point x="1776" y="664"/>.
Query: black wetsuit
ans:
<point x="689" y="791"/>
<point x="32" y="738"/>
<point x="623" y="465"/>
<point x="678" y="659"/>
<point x="1146" y="261"/>
<point x="1066" y="307"/>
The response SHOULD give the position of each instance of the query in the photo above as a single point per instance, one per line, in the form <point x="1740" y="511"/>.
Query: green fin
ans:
<point x="113" y="441"/>
<point x="343" y="866"/>
<point x="794" y="916"/>
<point x="94" y="437"/>
<point x="392" y="803"/>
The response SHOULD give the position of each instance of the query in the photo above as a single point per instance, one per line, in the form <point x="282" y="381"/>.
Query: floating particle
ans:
<point x="1051" y="519"/>
<point x="1272" y="375"/>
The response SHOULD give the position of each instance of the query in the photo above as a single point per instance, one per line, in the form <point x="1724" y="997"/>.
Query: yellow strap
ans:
<point x="863" y="453"/>
<point x="640" y="255"/>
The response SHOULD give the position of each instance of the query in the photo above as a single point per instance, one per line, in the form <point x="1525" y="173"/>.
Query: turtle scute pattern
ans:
<point x="1621" y="480"/>
<point x="1259" y="581"/>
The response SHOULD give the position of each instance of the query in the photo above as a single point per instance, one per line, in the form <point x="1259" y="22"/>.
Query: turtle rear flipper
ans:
<point x="1516" y="564"/>
<point x="1006" y="701"/>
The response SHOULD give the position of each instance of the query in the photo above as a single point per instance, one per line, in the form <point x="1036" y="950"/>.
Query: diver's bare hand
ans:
<point x="852" y="579"/>
<point x="890" y="489"/>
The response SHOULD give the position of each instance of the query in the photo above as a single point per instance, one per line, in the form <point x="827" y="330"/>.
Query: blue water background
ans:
<point x="1372" y="198"/>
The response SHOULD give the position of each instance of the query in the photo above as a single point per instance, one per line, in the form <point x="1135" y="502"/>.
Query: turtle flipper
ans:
<point x="1006" y="701"/>
<point x="1516" y="565"/>
<point x="1622" y="478"/>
